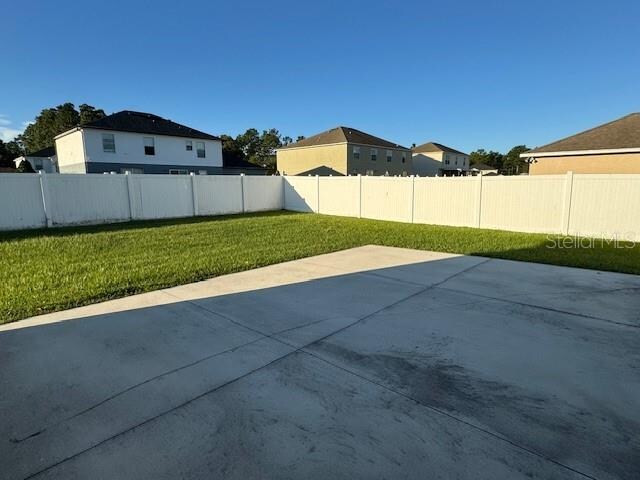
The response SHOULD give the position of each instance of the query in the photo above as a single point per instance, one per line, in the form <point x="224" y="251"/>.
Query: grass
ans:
<point x="48" y="270"/>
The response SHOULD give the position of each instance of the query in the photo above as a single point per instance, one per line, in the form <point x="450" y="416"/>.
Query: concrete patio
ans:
<point x="375" y="362"/>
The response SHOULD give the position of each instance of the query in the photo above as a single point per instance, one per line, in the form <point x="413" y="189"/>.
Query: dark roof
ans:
<point x="482" y="166"/>
<point x="140" y="122"/>
<point x="232" y="161"/>
<point x="342" y="135"/>
<point x="45" y="152"/>
<point x="621" y="133"/>
<point x="435" y="147"/>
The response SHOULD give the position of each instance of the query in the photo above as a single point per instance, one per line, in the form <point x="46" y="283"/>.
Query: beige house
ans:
<point x="344" y="151"/>
<point x="610" y="148"/>
<point x="434" y="159"/>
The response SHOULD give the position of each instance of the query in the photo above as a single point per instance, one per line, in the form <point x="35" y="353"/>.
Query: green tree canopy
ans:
<point x="8" y="152"/>
<point x="491" y="158"/>
<point x="513" y="164"/>
<point x="53" y="121"/>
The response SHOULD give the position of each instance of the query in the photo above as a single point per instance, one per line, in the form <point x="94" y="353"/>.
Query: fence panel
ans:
<point x="262" y="193"/>
<point x="446" y="201"/>
<point x="21" y="200"/>
<point x="340" y="196"/>
<point x="605" y="206"/>
<point x="161" y="196"/>
<point x="301" y="194"/>
<point x="523" y="203"/>
<point x="86" y="199"/>
<point x="218" y="194"/>
<point x="387" y="198"/>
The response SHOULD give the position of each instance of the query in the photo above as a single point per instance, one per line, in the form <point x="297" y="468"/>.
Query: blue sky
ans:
<point x="471" y="74"/>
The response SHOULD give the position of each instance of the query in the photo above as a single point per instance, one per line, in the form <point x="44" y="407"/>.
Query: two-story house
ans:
<point x="138" y="142"/>
<point x="344" y="151"/>
<point x="434" y="159"/>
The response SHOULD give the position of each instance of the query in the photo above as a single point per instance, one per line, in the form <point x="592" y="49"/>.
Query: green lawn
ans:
<point x="47" y="270"/>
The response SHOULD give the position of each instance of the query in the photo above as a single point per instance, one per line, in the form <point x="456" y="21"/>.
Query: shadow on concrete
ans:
<point x="454" y="366"/>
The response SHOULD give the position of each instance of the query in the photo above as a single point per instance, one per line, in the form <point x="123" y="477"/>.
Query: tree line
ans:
<point x="251" y="146"/>
<point x="506" y="164"/>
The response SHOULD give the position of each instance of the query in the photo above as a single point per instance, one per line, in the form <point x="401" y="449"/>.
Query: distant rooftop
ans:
<point x="140" y="122"/>
<point x="621" y="133"/>
<point x="343" y="135"/>
<point x="431" y="147"/>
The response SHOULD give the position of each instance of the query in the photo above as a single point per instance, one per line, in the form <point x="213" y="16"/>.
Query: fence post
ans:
<point x="242" y="190"/>
<point x="44" y="190"/>
<point x="566" y="203"/>
<point x="194" y="194"/>
<point x="359" y="195"/>
<point x="129" y="193"/>
<point x="284" y="186"/>
<point x="413" y="195"/>
<point x="478" y="220"/>
<point x="317" y="193"/>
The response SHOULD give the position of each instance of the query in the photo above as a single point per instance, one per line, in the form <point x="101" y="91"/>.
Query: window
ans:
<point x="389" y="155"/>
<point x="464" y="161"/>
<point x="374" y="154"/>
<point x="178" y="171"/>
<point x="189" y="145"/>
<point x="356" y="153"/>
<point x="108" y="143"/>
<point x="38" y="165"/>
<point x="202" y="172"/>
<point x="404" y="157"/>
<point x="131" y="170"/>
<point x="404" y="173"/>
<point x="369" y="173"/>
<point x="200" y="150"/>
<point x="149" y="146"/>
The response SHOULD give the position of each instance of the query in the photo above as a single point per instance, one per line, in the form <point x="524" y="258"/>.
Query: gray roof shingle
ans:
<point x="140" y="122"/>
<point x="621" y="133"/>
<point x="342" y="135"/>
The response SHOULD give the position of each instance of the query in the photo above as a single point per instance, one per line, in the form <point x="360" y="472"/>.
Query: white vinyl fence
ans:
<point x="602" y="206"/>
<point x="41" y="200"/>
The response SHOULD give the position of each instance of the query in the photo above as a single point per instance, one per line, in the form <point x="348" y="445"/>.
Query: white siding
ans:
<point x="168" y="150"/>
<point x="70" y="151"/>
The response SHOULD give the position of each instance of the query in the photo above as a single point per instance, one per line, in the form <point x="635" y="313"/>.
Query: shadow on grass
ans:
<point x="133" y="225"/>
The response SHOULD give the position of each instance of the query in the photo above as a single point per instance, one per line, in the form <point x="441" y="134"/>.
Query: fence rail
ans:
<point x="41" y="200"/>
<point x="603" y="206"/>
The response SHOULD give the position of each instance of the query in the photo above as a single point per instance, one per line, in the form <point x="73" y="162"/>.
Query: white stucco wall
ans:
<point x="70" y="151"/>
<point x="168" y="150"/>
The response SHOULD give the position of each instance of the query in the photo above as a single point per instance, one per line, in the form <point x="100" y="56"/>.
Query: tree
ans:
<point x="300" y="137"/>
<point x="491" y="158"/>
<point x="8" y="152"/>
<point x="54" y="121"/>
<point x="513" y="164"/>
<point x="90" y="114"/>
<point x="25" y="167"/>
